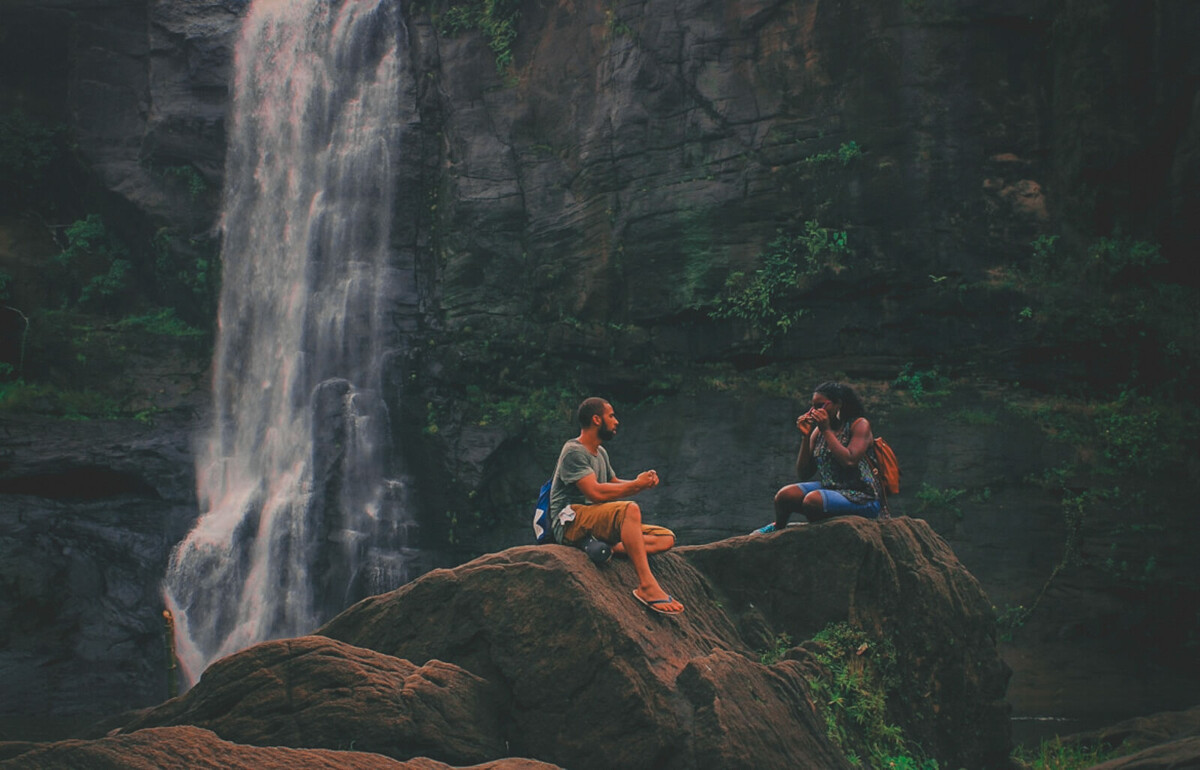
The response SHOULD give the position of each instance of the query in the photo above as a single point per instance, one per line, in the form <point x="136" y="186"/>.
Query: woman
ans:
<point x="836" y="448"/>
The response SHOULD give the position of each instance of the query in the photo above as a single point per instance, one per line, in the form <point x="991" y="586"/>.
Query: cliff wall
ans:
<point x="574" y="216"/>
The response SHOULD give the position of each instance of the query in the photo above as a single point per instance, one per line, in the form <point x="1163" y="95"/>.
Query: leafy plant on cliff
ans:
<point x="925" y="386"/>
<point x="1125" y="452"/>
<point x="496" y="19"/>
<point x="189" y="177"/>
<point x="933" y="498"/>
<point x="93" y="266"/>
<point x="163" y="322"/>
<point x="861" y="671"/>
<point x="769" y="300"/>
<point x="1009" y="619"/>
<point x="1108" y="310"/>
<point x="844" y="154"/>
<point x="187" y="272"/>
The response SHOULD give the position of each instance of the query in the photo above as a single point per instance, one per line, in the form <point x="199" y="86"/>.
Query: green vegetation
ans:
<point x="94" y="272"/>
<point x="1056" y="755"/>
<point x="78" y="365"/>
<point x="1131" y="435"/>
<point x="852" y="697"/>
<point x="769" y="300"/>
<point x="162" y="322"/>
<point x="190" y="177"/>
<point x="98" y="318"/>
<point x="1103" y="303"/>
<point x="1009" y="619"/>
<point x="542" y="408"/>
<point x="187" y="275"/>
<point x="616" y="26"/>
<point x="845" y="155"/>
<point x="67" y="403"/>
<point x="974" y="417"/>
<point x="779" y="647"/>
<point x="1124" y="453"/>
<point x="495" y="19"/>
<point x="92" y="312"/>
<point x="93" y="268"/>
<point x="108" y="299"/>
<point x="704" y="262"/>
<point x="926" y="386"/>
<point x="931" y="498"/>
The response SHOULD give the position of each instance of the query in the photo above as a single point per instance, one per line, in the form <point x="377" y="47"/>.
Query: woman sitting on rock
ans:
<point x="835" y="447"/>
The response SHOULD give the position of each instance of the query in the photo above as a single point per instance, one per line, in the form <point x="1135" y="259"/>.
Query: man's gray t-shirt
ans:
<point x="574" y="463"/>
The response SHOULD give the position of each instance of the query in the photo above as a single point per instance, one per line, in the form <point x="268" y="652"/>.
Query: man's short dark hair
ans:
<point x="591" y="407"/>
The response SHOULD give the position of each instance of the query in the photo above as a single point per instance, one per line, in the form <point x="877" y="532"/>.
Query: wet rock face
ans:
<point x="88" y="515"/>
<point x="144" y="89"/>
<point x="637" y="156"/>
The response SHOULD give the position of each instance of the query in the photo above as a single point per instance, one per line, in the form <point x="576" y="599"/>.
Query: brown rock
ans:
<point x="535" y="651"/>
<point x="901" y="580"/>
<point x="595" y="680"/>
<point x="1176" y="755"/>
<point x="1148" y="732"/>
<point x="193" y="747"/>
<point x="314" y="692"/>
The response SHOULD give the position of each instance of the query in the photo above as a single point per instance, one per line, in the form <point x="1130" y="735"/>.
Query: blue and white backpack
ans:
<point x="543" y="531"/>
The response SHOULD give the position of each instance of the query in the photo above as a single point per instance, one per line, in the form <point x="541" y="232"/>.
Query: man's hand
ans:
<point x="647" y="479"/>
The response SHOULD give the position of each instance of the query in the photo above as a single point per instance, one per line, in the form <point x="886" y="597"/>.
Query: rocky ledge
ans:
<point x="536" y="652"/>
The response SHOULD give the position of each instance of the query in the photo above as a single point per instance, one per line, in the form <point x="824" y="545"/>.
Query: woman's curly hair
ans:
<point x="852" y="407"/>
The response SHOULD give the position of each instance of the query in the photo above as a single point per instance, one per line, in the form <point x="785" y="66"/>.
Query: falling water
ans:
<point x="298" y="515"/>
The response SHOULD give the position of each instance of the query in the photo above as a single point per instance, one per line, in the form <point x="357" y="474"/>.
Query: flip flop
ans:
<point x="652" y="604"/>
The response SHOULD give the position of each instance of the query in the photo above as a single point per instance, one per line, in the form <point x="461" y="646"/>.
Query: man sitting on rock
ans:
<point x="585" y="499"/>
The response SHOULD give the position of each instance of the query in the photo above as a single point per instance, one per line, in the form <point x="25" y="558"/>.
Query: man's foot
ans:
<point x="765" y="530"/>
<point x="665" y="606"/>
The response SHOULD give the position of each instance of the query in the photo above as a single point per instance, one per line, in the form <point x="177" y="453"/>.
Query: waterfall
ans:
<point x="298" y="514"/>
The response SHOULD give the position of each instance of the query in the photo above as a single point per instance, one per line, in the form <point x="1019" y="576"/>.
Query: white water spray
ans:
<point x="298" y="516"/>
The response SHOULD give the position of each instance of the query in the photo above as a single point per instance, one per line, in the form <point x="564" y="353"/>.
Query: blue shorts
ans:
<point x="836" y="504"/>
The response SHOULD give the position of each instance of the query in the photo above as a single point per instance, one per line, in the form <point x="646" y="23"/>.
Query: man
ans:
<point x="586" y="499"/>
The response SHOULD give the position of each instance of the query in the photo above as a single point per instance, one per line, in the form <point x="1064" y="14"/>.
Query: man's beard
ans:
<point x="606" y="434"/>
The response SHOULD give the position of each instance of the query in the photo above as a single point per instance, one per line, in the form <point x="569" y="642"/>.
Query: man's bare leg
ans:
<point x="634" y="544"/>
<point x="656" y="542"/>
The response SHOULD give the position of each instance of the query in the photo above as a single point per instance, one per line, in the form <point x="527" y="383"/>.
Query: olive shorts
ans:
<point x="603" y="521"/>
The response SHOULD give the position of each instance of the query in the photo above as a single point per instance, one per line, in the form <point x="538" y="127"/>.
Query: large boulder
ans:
<point x="537" y="652"/>
<point x="593" y="680"/>
<point x="319" y="693"/>
<point x="1176" y="755"/>
<point x="1169" y="739"/>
